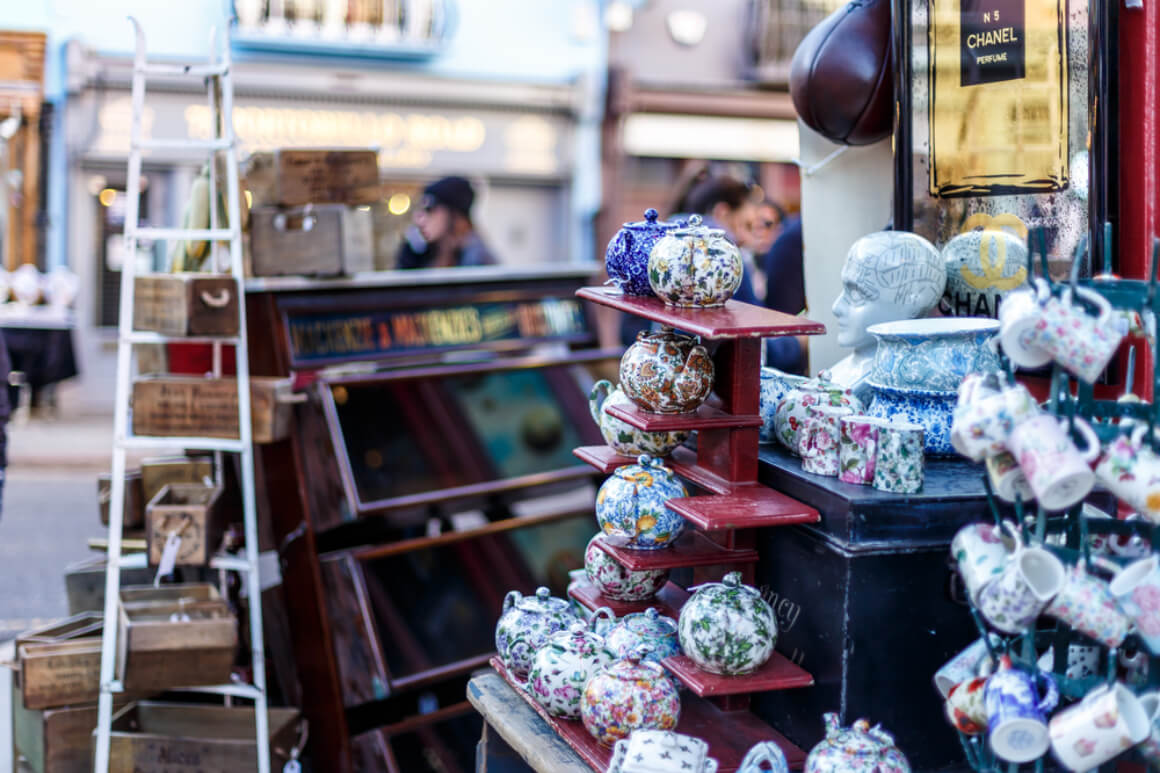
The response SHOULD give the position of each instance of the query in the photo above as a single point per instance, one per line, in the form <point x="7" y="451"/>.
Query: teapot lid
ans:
<point x="858" y="739"/>
<point x="650" y="223"/>
<point x="650" y="623"/>
<point x="730" y="585"/>
<point x="635" y="666"/>
<point x="665" y="335"/>
<point x="543" y="601"/>
<point x="696" y="227"/>
<point x="577" y="639"/>
<point x="645" y="465"/>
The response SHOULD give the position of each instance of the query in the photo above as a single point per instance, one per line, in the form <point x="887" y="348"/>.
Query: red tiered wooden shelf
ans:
<point x="699" y="718"/>
<point x="725" y="466"/>
<point x="692" y="548"/>
<point x="668" y="601"/>
<point x="778" y="673"/>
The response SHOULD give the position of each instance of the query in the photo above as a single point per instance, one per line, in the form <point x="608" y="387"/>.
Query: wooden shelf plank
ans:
<point x="705" y="417"/>
<point x="668" y="601"/>
<point x="682" y="461"/>
<point x="778" y="673"/>
<point x="749" y="506"/>
<point x="733" y="320"/>
<point x="730" y="734"/>
<point x="692" y="548"/>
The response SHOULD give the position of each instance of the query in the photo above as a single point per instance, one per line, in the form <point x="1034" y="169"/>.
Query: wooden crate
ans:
<point x="60" y="664"/>
<point x="84" y="583"/>
<point x="133" y="514"/>
<point x="55" y="740"/>
<point x="293" y="177"/>
<point x="195" y="512"/>
<point x="208" y="407"/>
<point x="186" y="304"/>
<point x="319" y="240"/>
<point x="195" y="738"/>
<point x="160" y="471"/>
<point x="157" y="648"/>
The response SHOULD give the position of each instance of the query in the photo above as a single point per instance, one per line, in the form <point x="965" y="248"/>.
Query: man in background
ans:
<point x="442" y="234"/>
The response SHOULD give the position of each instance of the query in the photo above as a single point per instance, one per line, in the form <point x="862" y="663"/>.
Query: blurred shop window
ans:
<point x="778" y="27"/>
<point x="111" y="248"/>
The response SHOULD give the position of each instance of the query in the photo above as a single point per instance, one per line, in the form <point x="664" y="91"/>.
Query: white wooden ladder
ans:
<point x="219" y="83"/>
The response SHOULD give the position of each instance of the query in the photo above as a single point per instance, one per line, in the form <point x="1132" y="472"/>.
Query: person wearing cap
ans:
<point x="442" y="234"/>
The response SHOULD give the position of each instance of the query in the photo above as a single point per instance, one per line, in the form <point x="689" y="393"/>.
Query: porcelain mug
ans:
<point x="819" y="442"/>
<point x="1018" y="316"/>
<point x="985" y="415"/>
<point x="1008" y="480"/>
<point x="858" y="450"/>
<point x="1056" y="470"/>
<point x="964" y="706"/>
<point x="1017" y="712"/>
<point x="981" y="551"/>
<point x="1107" y="722"/>
<point x="1149" y="748"/>
<point x="972" y="661"/>
<point x="1083" y="344"/>
<point x="1131" y="470"/>
<point x="898" y="466"/>
<point x="1012" y="601"/>
<point x="1137" y="588"/>
<point x="1086" y="604"/>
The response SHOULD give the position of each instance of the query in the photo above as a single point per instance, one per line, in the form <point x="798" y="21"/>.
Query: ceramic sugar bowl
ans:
<point x="661" y="751"/>
<point x="526" y="624"/>
<point x="621" y="436"/>
<point x="631" y="694"/>
<point x="617" y="583"/>
<point x="666" y="372"/>
<point x="727" y="628"/>
<point x="630" y="505"/>
<point x="562" y="667"/>
<point x="694" y="265"/>
<point x="856" y="749"/>
<point x="793" y="410"/>
<point x="626" y="257"/>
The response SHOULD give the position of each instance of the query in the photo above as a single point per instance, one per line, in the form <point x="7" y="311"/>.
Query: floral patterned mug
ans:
<point x="1083" y="344"/>
<point x="820" y="441"/>
<point x="858" y="449"/>
<point x="898" y="466"/>
<point x="1057" y="471"/>
<point x="1086" y="604"/>
<point x="1131" y="470"/>
<point x="1137" y="588"/>
<point x="1107" y="721"/>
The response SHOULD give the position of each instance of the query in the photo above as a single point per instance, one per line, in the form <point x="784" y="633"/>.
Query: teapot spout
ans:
<point x="596" y="397"/>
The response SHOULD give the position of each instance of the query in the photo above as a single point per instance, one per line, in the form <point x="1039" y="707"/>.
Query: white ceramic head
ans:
<point x="888" y="275"/>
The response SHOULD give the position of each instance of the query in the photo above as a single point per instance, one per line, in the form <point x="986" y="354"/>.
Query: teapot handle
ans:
<point x="517" y="649"/>
<point x="1051" y="697"/>
<point x="765" y="752"/>
<point x="601" y="612"/>
<point x="596" y="397"/>
<point x="512" y="598"/>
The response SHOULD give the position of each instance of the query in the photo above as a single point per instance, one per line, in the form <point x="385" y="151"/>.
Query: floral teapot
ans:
<point x="626" y="257"/>
<point x="525" y="625"/>
<point x="666" y="372"/>
<point x="694" y="265"/>
<point x="856" y="749"/>
<point x="631" y="694"/>
<point x="614" y="581"/>
<point x="793" y="409"/>
<point x="562" y="666"/>
<point x="727" y="627"/>
<point x="630" y="505"/>
<point x="621" y="436"/>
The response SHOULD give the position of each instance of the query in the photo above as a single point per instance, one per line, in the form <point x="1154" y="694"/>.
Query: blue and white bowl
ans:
<point x="775" y="384"/>
<point x="934" y="354"/>
<point x="934" y="410"/>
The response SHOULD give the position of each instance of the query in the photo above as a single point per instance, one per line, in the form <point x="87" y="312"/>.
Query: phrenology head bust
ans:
<point x="889" y="275"/>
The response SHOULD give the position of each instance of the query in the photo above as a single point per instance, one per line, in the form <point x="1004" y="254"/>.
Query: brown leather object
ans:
<point x="842" y="77"/>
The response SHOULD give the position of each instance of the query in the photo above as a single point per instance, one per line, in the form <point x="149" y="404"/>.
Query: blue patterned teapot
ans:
<point x="630" y="505"/>
<point x="526" y="624"/>
<point x="626" y="257"/>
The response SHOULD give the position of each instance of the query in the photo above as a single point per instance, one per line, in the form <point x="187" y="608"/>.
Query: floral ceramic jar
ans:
<point x="694" y="265"/>
<point x="621" y="436"/>
<point x="856" y="749"/>
<point x="562" y="667"/>
<point x="649" y="629"/>
<point x="666" y="372"/>
<point x="727" y="628"/>
<point x="794" y="408"/>
<point x="661" y="751"/>
<point x="626" y="257"/>
<point x="526" y="624"/>
<point x="631" y="694"/>
<point x="775" y="384"/>
<point x="630" y="505"/>
<point x="614" y="581"/>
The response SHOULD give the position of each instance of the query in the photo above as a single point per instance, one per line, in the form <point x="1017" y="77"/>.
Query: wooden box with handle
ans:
<point x="192" y="406"/>
<point x="316" y="240"/>
<point x="186" y="304"/>
<point x="191" y="511"/>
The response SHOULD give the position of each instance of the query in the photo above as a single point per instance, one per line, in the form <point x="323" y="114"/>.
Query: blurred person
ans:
<point x="769" y="222"/>
<point x="442" y="233"/>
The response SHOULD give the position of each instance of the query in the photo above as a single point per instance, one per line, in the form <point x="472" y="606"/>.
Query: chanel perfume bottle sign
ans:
<point x="991" y="41"/>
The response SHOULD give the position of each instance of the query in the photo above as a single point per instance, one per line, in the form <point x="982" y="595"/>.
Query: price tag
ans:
<point x="169" y="555"/>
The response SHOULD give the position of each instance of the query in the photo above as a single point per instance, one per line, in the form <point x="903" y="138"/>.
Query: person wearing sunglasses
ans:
<point x="442" y="234"/>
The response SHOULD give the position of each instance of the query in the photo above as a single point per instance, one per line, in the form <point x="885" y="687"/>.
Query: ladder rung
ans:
<point x="206" y="443"/>
<point x="132" y="561"/>
<point x="231" y="563"/>
<point x="116" y="686"/>
<point x="237" y="690"/>
<point x="197" y="234"/>
<point x="145" y="337"/>
<point x="192" y="70"/>
<point x="220" y="143"/>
